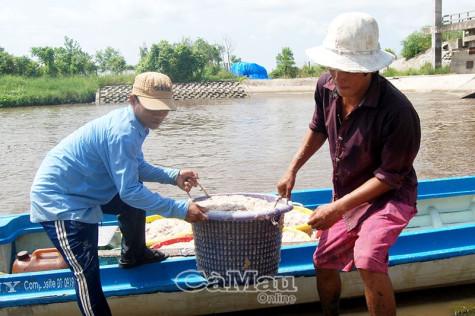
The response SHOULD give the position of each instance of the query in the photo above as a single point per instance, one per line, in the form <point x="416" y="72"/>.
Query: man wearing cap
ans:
<point x="99" y="169"/>
<point x="374" y="134"/>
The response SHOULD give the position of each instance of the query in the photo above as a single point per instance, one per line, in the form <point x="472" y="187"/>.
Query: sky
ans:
<point x="257" y="29"/>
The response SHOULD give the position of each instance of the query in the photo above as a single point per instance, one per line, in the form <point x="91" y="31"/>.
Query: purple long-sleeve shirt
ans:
<point x="379" y="138"/>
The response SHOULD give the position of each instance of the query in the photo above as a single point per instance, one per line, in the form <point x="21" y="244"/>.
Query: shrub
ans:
<point x="415" y="44"/>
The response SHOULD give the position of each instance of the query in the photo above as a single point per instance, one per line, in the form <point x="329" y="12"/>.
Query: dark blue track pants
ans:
<point x="77" y="243"/>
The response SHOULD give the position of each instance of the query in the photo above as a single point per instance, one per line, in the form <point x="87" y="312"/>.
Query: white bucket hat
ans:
<point x="352" y="45"/>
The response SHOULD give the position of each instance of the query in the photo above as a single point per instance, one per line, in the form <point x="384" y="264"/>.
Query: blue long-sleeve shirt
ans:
<point x="90" y="166"/>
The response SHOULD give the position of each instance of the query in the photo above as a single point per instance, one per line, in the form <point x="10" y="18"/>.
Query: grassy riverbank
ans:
<point x="18" y="91"/>
<point x="24" y="91"/>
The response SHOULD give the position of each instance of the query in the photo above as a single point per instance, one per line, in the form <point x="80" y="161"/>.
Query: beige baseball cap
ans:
<point x="155" y="91"/>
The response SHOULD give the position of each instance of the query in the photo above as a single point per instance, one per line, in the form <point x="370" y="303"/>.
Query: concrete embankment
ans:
<point x="461" y="84"/>
<point x="181" y="91"/>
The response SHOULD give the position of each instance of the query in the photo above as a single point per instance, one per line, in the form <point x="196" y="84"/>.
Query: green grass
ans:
<point x="24" y="91"/>
<point x="426" y="69"/>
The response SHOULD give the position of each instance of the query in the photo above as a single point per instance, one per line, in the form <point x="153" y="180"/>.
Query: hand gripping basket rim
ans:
<point x="282" y="207"/>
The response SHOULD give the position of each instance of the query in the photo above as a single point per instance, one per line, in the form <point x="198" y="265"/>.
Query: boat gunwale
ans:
<point x="119" y="282"/>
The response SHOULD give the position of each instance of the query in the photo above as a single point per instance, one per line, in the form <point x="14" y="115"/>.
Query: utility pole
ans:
<point x="436" y="35"/>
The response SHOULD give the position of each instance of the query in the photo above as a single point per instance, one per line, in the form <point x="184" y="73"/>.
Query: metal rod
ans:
<point x="277" y="200"/>
<point x="202" y="188"/>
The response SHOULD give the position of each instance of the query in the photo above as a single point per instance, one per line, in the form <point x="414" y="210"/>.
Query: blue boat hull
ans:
<point x="448" y="249"/>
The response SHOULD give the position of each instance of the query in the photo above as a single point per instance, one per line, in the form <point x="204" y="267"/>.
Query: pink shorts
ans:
<point x="366" y="246"/>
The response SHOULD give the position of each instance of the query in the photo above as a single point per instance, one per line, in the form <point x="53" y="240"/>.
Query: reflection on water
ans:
<point x="241" y="145"/>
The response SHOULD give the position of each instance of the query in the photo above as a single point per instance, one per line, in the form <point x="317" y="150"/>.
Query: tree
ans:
<point x="235" y="59"/>
<point x="67" y="60"/>
<point x="415" y="44"/>
<point x="110" y="60"/>
<point x="11" y="65"/>
<point x="309" y="70"/>
<point x="227" y="52"/>
<point x="24" y="66"/>
<point x="71" y="60"/>
<point x="208" y="57"/>
<point x="285" y="64"/>
<point x="7" y="63"/>
<point x="211" y="54"/>
<point x="46" y="60"/>
<point x="164" y="57"/>
<point x="150" y="58"/>
<point x="143" y="51"/>
<point x="182" y="62"/>
<point x="389" y="50"/>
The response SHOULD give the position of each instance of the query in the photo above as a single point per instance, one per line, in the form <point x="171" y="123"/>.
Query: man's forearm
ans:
<point x="369" y="190"/>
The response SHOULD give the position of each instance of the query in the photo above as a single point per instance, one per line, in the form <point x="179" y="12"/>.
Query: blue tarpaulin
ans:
<point x="251" y="70"/>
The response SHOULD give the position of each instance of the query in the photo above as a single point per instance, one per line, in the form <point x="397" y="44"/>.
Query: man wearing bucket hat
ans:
<point x="100" y="168"/>
<point x="374" y="134"/>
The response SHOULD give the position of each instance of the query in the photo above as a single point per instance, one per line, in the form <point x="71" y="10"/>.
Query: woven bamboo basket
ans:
<point x="238" y="248"/>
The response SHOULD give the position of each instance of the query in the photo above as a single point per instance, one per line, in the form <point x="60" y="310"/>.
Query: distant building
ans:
<point x="463" y="51"/>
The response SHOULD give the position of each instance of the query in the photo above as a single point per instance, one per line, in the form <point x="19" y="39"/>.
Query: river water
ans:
<point x="239" y="145"/>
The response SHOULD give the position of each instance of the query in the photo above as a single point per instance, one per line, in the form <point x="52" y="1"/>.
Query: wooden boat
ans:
<point x="437" y="249"/>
